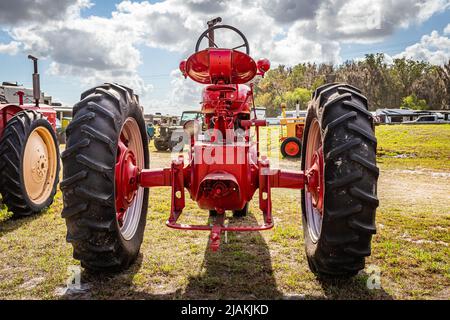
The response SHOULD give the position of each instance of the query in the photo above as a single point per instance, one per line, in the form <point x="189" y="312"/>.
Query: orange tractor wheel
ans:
<point x="291" y="147"/>
<point x="29" y="164"/>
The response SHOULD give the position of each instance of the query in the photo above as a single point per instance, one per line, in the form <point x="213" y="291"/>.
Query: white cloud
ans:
<point x="11" y="48"/>
<point x="90" y="77"/>
<point x="301" y="45"/>
<point x="94" y="49"/>
<point x="286" y="11"/>
<point x="388" y="59"/>
<point x="184" y="94"/>
<point x="368" y="21"/>
<point x="429" y="7"/>
<point x="447" y="29"/>
<point x="21" y="12"/>
<point x="432" y="48"/>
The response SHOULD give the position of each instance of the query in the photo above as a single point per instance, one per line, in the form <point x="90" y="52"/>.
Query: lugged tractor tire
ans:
<point x="213" y="213"/>
<point x="160" y="145"/>
<point x="236" y="213"/>
<point x="29" y="164"/>
<point x="241" y="213"/>
<point x="291" y="152"/>
<point x="350" y="182"/>
<point x="89" y="179"/>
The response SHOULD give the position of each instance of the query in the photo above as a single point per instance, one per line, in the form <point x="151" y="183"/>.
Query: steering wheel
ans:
<point x="223" y="26"/>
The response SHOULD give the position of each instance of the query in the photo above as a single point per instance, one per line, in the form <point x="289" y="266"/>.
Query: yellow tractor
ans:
<point x="291" y="132"/>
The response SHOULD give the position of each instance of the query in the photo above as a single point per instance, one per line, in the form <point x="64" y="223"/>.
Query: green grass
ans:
<point x="4" y="214"/>
<point x="411" y="248"/>
<point x="414" y="146"/>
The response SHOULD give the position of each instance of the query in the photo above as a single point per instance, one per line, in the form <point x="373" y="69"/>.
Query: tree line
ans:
<point x="404" y="83"/>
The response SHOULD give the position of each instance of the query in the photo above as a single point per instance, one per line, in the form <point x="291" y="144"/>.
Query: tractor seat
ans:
<point x="219" y="66"/>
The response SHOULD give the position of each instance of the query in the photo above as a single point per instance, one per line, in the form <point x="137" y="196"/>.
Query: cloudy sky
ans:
<point x="140" y="43"/>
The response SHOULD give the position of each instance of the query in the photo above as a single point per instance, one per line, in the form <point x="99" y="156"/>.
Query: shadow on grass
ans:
<point x="242" y="269"/>
<point x="9" y="223"/>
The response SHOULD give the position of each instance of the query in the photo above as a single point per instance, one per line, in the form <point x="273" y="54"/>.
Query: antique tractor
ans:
<point x="29" y="153"/>
<point x="291" y="133"/>
<point x="168" y="134"/>
<point x="107" y="175"/>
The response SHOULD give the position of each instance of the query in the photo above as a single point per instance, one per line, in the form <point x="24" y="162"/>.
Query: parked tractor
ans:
<point x="166" y="140"/>
<point x="29" y="153"/>
<point x="291" y="133"/>
<point x="107" y="176"/>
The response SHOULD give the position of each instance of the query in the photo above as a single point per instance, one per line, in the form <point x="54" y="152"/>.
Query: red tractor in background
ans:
<point x="107" y="175"/>
<point x="29" y="153"/>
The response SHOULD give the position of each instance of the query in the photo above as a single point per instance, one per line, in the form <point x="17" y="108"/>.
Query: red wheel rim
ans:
<point x="314" y="191"/>
<point x="128" y="194"/>
<point x="292" y="148"/>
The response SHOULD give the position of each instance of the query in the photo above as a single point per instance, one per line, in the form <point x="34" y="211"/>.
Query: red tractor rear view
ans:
<point x="29" y="154"/>
<point x="107" y="175"/>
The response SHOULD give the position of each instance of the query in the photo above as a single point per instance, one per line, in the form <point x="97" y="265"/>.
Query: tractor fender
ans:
<point x="6" y="113"/>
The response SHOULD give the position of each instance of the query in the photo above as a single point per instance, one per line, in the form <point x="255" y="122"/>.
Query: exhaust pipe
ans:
<point x="36" y="81"/>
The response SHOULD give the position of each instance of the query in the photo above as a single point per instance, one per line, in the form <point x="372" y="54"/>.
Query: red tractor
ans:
<point x="107" y="175"/>
<point x="29" y="153"/>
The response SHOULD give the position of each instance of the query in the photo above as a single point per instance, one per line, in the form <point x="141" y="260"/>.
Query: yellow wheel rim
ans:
<point x="39" y="165"/>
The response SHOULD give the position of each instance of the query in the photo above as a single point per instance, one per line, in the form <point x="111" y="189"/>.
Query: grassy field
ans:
<point x="411" y="248"/>
<point x="414" y="147"/>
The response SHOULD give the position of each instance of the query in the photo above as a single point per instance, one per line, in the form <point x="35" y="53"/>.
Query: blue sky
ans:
<point x="153" y="39"/>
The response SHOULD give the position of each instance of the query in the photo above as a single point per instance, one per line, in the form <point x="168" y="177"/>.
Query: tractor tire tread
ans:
<point x="367" y="135"/>
<point x="67" y="182"/>
<point x="75" y="148"/>
<point x="88" y="185"/>
<point x="79" y="121"/>
<point x="91" y="132"/>
<point x="357" y="107"/>
<point x="351" y="175"/>
<point x="73" y="210"/>
<point x="12" y="145"/>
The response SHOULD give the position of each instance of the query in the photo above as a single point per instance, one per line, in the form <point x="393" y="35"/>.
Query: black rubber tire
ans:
<point x="241" y="213"/>
<point x="12" y="147"/>
<point x="213" y="213"/>
<point x="351" y="175"/>
<point x="284" y="144"/>
<point x="160" y="145"/>
<point x="89" y="175"/>
<point x="62" y="138"/>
